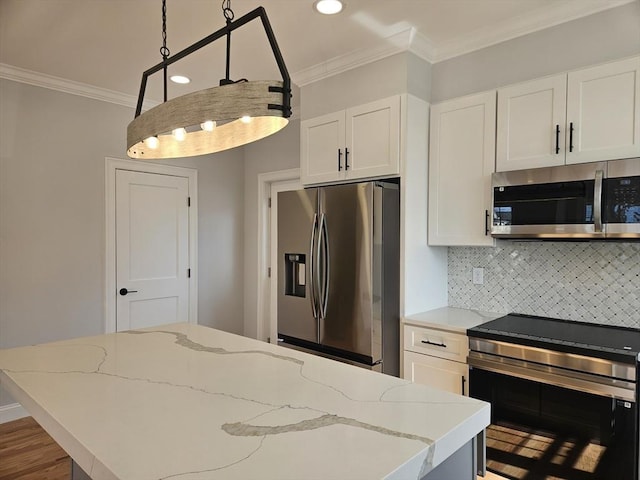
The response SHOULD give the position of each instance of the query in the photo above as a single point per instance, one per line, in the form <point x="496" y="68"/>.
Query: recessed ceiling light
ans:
<point x="180" y="79"/>
<point x="328" y="7"/>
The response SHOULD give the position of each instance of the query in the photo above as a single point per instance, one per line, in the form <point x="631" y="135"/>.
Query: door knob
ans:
<point x="124" y="291"/>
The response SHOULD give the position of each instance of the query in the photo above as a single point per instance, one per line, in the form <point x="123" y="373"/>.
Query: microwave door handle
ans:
<point x="597" y="201"/>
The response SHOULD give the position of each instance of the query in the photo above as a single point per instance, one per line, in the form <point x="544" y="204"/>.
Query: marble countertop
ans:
<point x="189" y="402"/>
<point x="451" y="319"/>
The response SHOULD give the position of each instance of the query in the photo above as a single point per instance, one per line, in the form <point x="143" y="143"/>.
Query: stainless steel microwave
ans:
<point x="590" y="200"/>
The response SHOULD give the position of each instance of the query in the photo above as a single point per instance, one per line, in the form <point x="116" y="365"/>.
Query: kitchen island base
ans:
<point x="77" y="473"/>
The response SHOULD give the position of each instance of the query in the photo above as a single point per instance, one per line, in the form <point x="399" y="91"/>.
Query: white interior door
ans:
<point x="152" y="249"/>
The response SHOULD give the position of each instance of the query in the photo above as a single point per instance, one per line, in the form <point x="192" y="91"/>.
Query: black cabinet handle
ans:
<point x="557" y="139"/>
<point x="339" y="159"/>
<point x="463" y="382"/>
<point x="346" y="159"/>
<point x="486" y="223"/>
<point x="434" y="344"/>
<point x="124" y="291"/>
<point x="571" y="137"/>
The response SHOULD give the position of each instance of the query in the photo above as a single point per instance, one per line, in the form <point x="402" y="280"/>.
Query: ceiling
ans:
<point x="108" y="43"/>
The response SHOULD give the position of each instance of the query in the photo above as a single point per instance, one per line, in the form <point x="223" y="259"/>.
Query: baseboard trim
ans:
<point x="11" y="412"/>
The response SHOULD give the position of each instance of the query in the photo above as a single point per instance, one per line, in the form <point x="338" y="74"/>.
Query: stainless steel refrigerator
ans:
<point x="339" y="272"/>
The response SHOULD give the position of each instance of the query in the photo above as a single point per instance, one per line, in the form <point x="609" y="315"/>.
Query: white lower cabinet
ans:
<point x="436" y="372"/>
<point x="436" y="358"/>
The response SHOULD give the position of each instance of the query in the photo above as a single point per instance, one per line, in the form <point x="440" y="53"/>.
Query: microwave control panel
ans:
<point x="622" y="200"/>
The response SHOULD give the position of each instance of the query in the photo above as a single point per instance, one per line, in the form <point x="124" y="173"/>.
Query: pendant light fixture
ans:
<point x="215" y="119"/>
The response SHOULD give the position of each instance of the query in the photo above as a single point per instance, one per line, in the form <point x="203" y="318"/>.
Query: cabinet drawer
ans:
<point x="436" y="343"/>
<point x="436" y="372"/>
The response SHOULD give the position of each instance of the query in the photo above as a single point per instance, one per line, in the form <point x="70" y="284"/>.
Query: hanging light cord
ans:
<point x="164" y="51"/>
<point x="228" y="15"/>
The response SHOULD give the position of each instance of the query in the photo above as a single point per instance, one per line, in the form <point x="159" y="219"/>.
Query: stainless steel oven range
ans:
<point x="563" y="397"/>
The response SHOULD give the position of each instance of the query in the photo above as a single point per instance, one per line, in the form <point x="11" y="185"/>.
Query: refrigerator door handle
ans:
<point x="323" y="241"/>
<point x="312" y="283"/>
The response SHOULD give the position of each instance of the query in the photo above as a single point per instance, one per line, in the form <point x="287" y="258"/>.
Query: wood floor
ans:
<point x="28" y="453"/>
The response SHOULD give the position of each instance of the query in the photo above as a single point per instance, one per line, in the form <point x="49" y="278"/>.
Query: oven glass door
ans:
<point x="541" y="431"/>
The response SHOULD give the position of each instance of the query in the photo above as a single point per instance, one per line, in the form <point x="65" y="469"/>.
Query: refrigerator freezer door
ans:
<point x="348" y="318"/>
<point x="297" y="237"/>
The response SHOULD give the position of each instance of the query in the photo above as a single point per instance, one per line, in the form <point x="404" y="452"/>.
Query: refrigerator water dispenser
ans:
<point x="295" y="274"/>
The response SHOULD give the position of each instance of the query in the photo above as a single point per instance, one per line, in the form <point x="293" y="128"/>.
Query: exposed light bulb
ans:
<point x="245" y="119"/>
<point x="180" y="79"/>
<point x="152" y="142"/>
<point x="328" y="7"/>
<point x="208" y="126"/>
<point x="179" y="134"/>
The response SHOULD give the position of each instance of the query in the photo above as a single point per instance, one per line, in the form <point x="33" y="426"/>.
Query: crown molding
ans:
<point x="522" y="25"/>
<point x="423" y="47"/>
<point x="397" y="43"/>
<point x="21" y="75"/>
<point x="406" y="40"/>
<point x="59" y="84"/>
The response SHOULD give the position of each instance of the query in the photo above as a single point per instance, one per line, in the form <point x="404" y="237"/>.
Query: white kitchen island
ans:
<point x="188" y="402"/>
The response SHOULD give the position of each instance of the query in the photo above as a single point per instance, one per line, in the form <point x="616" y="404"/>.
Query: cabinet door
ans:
<point x="373" y="139"/>
<point x="603" y="107"/>
<point x="322" y="148"/>
<point x="461" y="161"/>
<point x="531" y="124"/>
<point x="436" y="372"/>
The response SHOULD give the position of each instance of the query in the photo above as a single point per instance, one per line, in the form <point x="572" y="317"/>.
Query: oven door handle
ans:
<point x="582" y="382"/>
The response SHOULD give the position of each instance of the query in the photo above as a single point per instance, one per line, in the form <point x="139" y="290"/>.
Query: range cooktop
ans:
<point x="613" y="343"/>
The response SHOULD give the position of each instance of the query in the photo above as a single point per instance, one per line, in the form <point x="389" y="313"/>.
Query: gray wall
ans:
<point x="220" y="237"/>
<point x="277" y="152"/>
<point x="397" y="74"/>
<point x="598" y="38"/>
<point x="52" y="218"/>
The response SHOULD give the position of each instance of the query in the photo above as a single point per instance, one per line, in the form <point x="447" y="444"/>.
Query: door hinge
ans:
<point x="188" y="201"/>
<point x="269" y="272"/>
<point x="269" y="202"/>
<point x="188" y="273"/>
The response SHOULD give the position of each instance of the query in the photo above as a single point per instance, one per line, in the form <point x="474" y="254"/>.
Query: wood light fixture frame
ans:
<point x="243" y="111"/>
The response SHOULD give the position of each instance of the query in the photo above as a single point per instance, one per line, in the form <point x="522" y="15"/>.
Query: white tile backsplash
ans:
<point x="586" y="281"/>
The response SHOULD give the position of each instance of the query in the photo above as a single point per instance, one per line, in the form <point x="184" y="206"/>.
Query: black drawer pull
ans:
<point x="434" y="344"/>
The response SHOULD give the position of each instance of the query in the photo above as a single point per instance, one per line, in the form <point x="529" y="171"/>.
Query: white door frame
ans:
<point x="111" y="166"/>
<point x="266" y="325"/>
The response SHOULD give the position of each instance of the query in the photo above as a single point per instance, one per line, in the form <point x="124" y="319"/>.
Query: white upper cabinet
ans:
<point x="322" y="148"/>
<point x="461" y="161"/>
<point x="356" y="143"/>
<point x="603" y="107"/>
<point x="588" y="115"/>
<point x="531" y="123"/>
